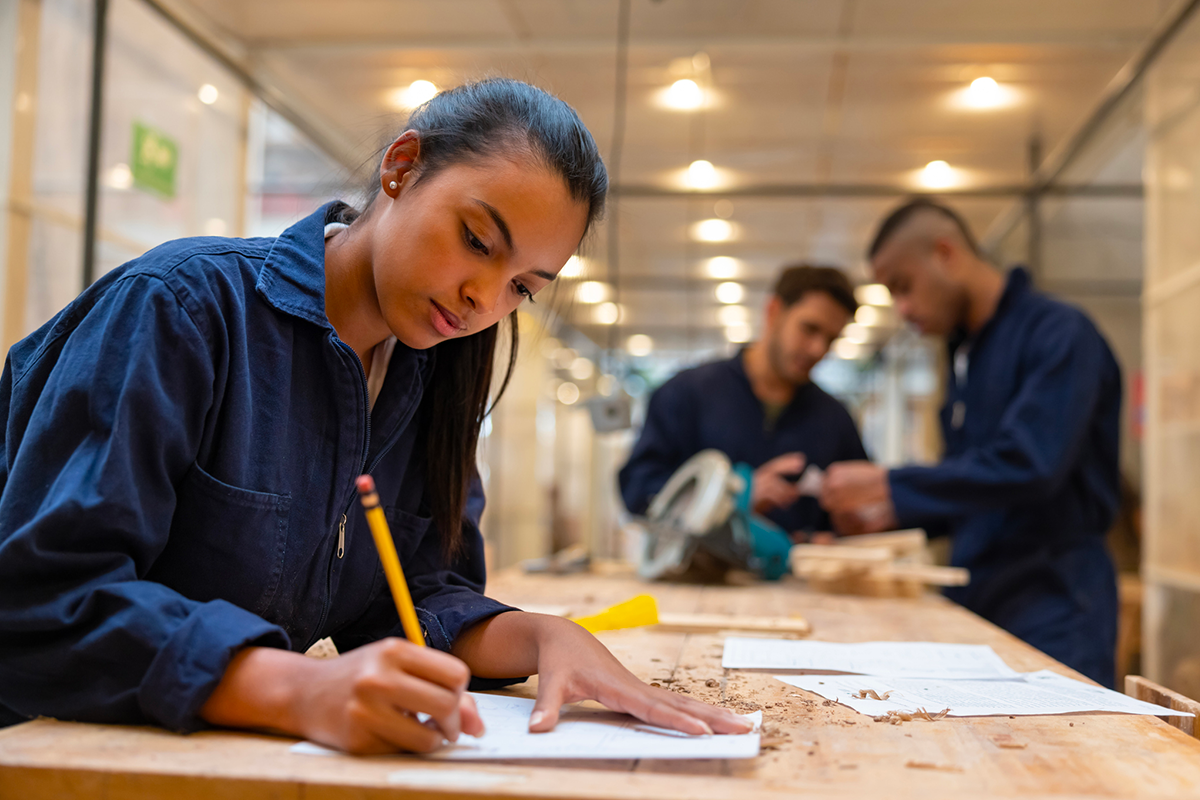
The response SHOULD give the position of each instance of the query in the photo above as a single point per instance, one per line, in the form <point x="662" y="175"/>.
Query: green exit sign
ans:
<point x="154" y="162"/>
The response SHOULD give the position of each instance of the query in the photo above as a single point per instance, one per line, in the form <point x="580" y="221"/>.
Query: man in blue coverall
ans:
<point x="1028" y="485"/>
<point x="759" y="407"/>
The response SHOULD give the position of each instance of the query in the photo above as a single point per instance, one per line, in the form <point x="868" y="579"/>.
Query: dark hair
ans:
<point x="493" y="117"/>
<point x="904" y="213"/>
<point x="797" y="280"/>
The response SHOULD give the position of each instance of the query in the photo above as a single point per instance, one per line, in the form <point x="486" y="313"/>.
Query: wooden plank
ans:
<point x="712" y="623"/>
<point x="1138" y="687"/>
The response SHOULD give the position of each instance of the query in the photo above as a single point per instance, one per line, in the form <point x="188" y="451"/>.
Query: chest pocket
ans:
<point x="226" y="543"/>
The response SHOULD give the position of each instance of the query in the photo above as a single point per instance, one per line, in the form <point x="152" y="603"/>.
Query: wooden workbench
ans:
<point x="810" y="747"/>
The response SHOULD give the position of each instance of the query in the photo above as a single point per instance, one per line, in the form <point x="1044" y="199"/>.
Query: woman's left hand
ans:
<point x="573" y="665"/>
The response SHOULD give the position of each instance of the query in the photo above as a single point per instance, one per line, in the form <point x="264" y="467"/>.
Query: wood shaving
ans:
<point x="930" y="765"/>
<point x="712" y="683"/>
<point x="897" y="717"/>
<point x="864" y="694"/>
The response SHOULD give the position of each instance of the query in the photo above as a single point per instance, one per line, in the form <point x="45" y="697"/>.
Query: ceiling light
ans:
<point x="856" y="333"/>
<point x="120" y="176"/>
<point x="567" y="393"/>
<point x="573" y="268"/>
<point x="701" y="61"/>
<point x="701" y="175"/>
<point x="416" y="93"/>
<point x="721" y="267"/>
<point x="937" y="175"/>
<point x="873" y="294"/>
<point x="639" y="345"/>
<point x="712" y="230"/>
<point x="608" y="313"/>
<point x="848" y="350"/>
<point x="563" y="357"/>
<point x="723" y="208"/>
<point x="985" y="93"/>
<point x="738" y="333"/>
<point x="582" y="368"/>
<point x="607" y="384"/>
<point x="591" y="292"/>
<point x="684" y="95"/>
<point x="208" y="94"/>
<point x="733" y="315"/>
<point x="869" y="316"/>
<point x="730" y="292"/>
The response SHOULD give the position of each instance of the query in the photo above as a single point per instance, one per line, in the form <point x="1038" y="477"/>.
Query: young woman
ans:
<point x="177" y="505"/>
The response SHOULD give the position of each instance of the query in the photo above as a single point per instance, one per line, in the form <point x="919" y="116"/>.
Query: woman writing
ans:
<point x="181" y="444"/>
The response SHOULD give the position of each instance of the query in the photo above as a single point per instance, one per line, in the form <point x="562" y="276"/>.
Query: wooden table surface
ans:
<point x="810" y="747"/>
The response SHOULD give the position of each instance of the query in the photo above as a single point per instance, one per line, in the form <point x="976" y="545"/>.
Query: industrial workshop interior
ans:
<point x="632" y="398"/>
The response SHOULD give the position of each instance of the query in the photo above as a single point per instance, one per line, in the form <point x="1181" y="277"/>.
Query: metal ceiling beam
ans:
<point x="597" y="45"/>
<point x="852" y="190"/>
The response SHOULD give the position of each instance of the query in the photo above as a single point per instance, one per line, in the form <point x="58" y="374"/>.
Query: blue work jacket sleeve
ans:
<point x="448" y="593"/>
<point x="662" y="447"/>
<point x="1036" y="443"/>
<point x="105" y="410"/>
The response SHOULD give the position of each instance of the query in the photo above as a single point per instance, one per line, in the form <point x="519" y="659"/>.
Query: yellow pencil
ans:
<point x="391" y="562"/>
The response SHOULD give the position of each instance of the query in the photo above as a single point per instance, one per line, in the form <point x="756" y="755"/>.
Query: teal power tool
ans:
<point x="700" y="526"/>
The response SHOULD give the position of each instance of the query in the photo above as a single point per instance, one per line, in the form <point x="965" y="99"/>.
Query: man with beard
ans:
<point x="759" y="407"/>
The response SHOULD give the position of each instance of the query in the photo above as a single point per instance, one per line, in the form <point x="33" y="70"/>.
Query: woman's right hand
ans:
<point x="363" y="702"/>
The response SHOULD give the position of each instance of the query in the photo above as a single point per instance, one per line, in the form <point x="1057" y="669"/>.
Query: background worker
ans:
<point x="1028" y="485"/>
<point x="759" y="407"/>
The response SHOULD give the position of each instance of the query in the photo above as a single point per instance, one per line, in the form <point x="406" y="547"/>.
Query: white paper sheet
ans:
<point x="1033" y="693"/>
<point x="580" y="733"/>
<point x="893" y="659"/>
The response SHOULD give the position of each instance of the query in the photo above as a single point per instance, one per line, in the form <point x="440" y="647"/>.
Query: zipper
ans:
<point x="362" y="469"/>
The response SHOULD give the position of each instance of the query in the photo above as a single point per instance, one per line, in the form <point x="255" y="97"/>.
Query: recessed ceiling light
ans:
<point x="608" y="313"/>
<point x="730" y="292"/>
<point x="208" y="94"/>
<point x="738" y="333"/>
<point x="848" y="350"/>
<point x="733" y="315"/>
<point x="573" y="268"/>
<point x="723" y="208"/>
<point x="684" y="95"/>
<point x="639" y="345"/>
<point x="937" y="175"/>
<point x="701" y="175"/>
<point x="869" y="316"/>
<point x="591" y="292"/>
<point x="416" y="93"/>
<point x="582" y="368"/>
<point x="873" y="294"/>
<point x="567" y="393"/>
<point x="721" y="267"/>
<point x="985" y="93"/>
<point x="859" y="334"/>
<point x="712" y="230"/>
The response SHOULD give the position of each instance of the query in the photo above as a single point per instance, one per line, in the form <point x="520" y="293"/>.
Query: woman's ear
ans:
<point x="398" y="162"/>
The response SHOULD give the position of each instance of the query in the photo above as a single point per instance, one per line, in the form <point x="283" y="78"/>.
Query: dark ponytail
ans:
<point x="495" y="117"/>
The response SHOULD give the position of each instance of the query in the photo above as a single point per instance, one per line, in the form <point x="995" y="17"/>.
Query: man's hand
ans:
<point x="858" y="497"/>
<point x="774" y="483"/>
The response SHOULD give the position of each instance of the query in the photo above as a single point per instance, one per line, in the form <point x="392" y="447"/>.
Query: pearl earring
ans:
<point x="393" y="185"/>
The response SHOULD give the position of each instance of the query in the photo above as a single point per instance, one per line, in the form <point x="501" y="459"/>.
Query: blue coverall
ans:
<point x="180" y="446"/>
<point x="713" y="406"/>
<point x="1030" y="480"/>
